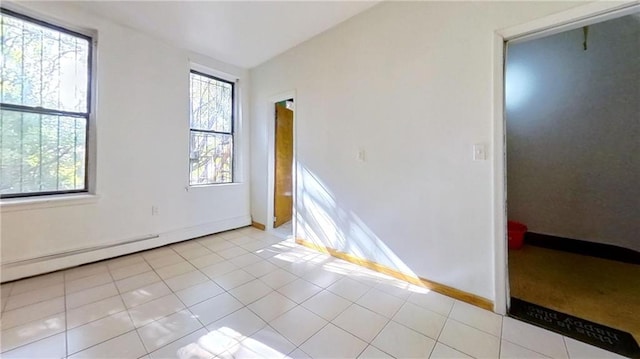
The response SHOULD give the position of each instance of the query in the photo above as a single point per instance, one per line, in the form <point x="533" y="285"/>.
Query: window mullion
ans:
<point x="21" y="149"/>
<point x="22" y="115"/>
<point x="41" y="91"/>
<point x="58" y="157"/>
<point x="2" y="74"/>
<point x="211" y="131"/>
<point x="41" y="110"/>
<point x="40" y="155"/>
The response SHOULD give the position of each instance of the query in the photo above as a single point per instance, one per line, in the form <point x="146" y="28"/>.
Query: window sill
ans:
<point x="33" y="203"/>
<point x="213" y="185"/>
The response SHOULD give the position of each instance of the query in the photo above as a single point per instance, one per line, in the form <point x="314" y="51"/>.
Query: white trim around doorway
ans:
<point x="271" y="158"/>
<point x="563" y="21"/>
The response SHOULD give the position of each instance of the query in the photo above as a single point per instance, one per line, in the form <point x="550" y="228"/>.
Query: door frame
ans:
<point x="271" y="151"/>
<point x="566" y="20"/>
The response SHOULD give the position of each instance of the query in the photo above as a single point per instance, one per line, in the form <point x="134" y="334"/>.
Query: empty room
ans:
<point x="207" y="179"/>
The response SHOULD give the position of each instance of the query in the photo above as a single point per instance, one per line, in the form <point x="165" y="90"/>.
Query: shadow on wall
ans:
<point x="323" y="222"/>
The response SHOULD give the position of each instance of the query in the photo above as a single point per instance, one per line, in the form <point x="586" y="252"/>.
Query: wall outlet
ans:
<point x="155" y="210"/>
<point x="479" y="152"/>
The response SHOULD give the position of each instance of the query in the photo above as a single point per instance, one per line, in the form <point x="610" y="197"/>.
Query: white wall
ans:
<point x="142" y="119"/>
<point x="411" y="84"/>
<point x="573" y="133"/>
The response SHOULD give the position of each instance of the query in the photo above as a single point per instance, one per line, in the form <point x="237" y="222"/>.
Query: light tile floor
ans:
<point x="247" y="294"/>
<point x="284" y="231"/>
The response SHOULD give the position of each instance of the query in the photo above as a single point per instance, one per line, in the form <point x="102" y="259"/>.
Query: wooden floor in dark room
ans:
<point x="600" y="290"/>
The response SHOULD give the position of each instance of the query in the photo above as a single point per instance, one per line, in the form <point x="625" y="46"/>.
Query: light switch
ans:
<point x="360" y="155"/>
<point x="479" y="152"/>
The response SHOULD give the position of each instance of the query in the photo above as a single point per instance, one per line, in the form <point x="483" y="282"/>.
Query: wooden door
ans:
<point x="283" y="199"/>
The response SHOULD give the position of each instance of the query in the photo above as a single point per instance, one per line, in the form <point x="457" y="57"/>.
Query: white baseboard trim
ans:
<point x="34" y="266"/>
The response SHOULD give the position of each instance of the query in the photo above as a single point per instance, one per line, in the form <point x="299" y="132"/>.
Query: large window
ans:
<point x="212" y="112"/>
<point x="44" y="107"/>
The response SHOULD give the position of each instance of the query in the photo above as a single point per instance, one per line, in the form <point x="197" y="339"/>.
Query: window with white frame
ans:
<point x="45" y="105"/>
<point x="211" y="129"/>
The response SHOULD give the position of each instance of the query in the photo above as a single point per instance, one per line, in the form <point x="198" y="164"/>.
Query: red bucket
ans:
<point x="516" y="232"/>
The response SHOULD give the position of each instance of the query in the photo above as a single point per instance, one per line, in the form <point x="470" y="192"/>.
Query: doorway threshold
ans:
<point x="284" y="231"/>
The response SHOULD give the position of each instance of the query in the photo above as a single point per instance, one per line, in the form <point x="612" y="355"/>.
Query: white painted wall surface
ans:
<point x="411" y="84"/>
<point x="142" y="119"/>
<point x="573" y="133"/>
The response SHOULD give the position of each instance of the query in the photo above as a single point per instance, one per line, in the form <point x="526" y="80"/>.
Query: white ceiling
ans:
<point x="242" y="33"/>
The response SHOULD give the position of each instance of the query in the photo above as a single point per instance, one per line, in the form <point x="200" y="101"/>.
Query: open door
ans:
<point x="283" y="193"/>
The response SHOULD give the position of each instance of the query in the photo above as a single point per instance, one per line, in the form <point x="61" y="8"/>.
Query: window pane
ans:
<point x="211" y="104"/>
<point x="41" y="153"/>
<point x="43" y="67"/>
<point x="211" y="158"/>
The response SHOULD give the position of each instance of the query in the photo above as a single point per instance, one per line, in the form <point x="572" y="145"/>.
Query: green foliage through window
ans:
<point x="44" y="115"/>
<point x="212" y="108"/>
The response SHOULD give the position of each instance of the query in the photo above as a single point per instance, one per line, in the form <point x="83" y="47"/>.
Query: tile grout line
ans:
<point x="272" y="290"/>
<point x="175" y="294"/>
<point x="127" y="266"/>
<point x="153" y="269"/>
<point x="319" y="330"/>
<point x="331" y="321"/>
<point x="283" y="336"/>
<point x="297" y="304"/>
<point x="85" y="278"/>
<point x="523" y="347"/>
<point x="33" y="342"/>
<point x="424" y="335"/>
<point x="66" y="332"/>
<point x="566" y="347"/>
<point x="472" y="327"/>
<point x="10" y="292"/>
<point x="12" y="289"/>
<point x="451" y="309"/>
<point x="34" y="320"/>
<point x="246" y="306"/>
<point x="374" y="337"/>
<point x="128" y="313"/>
<point x="63" y="273"/>
<point x="442" y="330"/>
<point x="405" y="301"/>
<point x="434" y="348"/>
<point x="185" y="306"/>
<point x="4" y="299"/>
<point x="38" y="302"/>
<point x="482" y="330"/>
<point x="96" y="301"/>
<point x="104" y="341"/>
<point x="49" y="336"/>
<point x="500" y="338"/>
<point x="171" y="342"/>
<point x="92" y="321"/>
<point x="274" y="329"/>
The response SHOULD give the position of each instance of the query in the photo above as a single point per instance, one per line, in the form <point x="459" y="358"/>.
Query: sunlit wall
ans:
<point x="410" y="85"/>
